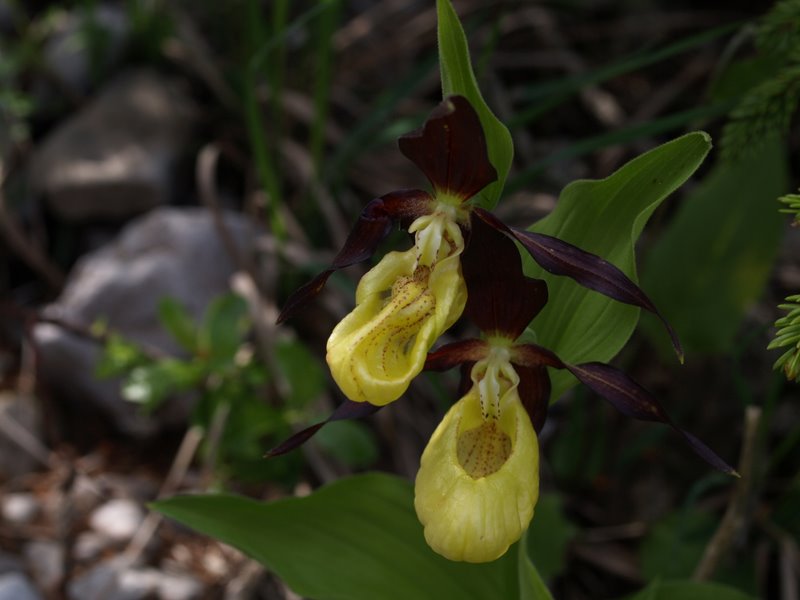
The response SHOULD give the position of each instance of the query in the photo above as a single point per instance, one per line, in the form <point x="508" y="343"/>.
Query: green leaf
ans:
<point x="302" y="370"/>
<point x="714" y="259"/>
<point x="675" y="545"/>
<point x="119" y="356"/>
<point x="459" y="78"/>
<point x="548" y="536"/>
<point x="151" y="384"/>
<point x="355" y="539"/>
<point x="606" y="217"/>
<point x="689" y="590"/>
<point x="350" y="442"/>
<point x="531" y="584"/>
<point x="178" y="322"/>
<point x="224" y="327"/>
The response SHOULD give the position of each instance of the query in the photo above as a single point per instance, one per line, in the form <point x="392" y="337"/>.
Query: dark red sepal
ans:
<point x="373" y="225"/>
<point x="534" y="392"/>
<point x="561" y="258"/>
<point x="500" y="299"/>
<point x="633" y="400"/>
<point x="531" y="355"/>
<point x="450" y="149"/>
<point x="450" y="355"/>
<point x="346" y="410"/>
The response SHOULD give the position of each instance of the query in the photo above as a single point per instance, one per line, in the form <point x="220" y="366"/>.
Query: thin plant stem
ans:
<point x="734" y="516"/>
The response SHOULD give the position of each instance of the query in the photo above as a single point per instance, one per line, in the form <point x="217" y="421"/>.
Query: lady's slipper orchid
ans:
<point x="478" y="482"/>
<point x="410" y="298"/>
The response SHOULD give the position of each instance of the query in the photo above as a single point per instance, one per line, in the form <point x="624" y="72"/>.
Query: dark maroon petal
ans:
<point x="531" y="355"/>
<point x="450" y="355"/>
<point x="450" y="149"/>
<point x="633" y="400"/>
<point x="372" y="227"/>
<point x="346" y="410"/>
<point x="589" y="270"/>
<point x="534" y="392"/>
<point x="500" y="299"/>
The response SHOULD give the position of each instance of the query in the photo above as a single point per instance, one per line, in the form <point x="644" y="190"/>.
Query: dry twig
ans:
<point x="734" y="517"/>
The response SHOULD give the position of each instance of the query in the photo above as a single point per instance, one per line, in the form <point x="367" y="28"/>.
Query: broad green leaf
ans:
<point x="178" y="322"/>
<point x="458" y="78"/>
<point x="350" y="442"/>
<point x="689" y="590"/>
<point x="355" y="539"/>
<point x="531" y="584"/>
<point x="302" y="370"/>
<point x="224" y="326"/>
<point x="548" y="536"/>
<point x="714" y="260"/>
<point x="675" y="545"/>
<point x="606" y="217"/>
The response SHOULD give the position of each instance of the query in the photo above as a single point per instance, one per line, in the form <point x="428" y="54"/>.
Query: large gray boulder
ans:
<point x="168" y="252"/>
<point x="116" y="157"/>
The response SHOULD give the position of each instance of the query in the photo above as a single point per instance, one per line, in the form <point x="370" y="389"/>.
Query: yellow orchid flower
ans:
<point x="478" y="481"/>
<point x="403" y="305"/>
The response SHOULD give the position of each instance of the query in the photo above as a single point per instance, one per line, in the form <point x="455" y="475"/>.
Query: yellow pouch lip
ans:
<point x="366" y="359"/>
<point x="476" y="520"/>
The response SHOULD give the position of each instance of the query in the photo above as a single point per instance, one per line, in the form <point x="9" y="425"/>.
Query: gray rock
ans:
<point x="46" y="563"/>
<point x="117" y="519"/>
<point x="10" y="563"/>
<point x="15" y="586"/>
<point x="67" y="52"/>
<point x="169" y="252"/>
<point x="19" y="509"/>
<point x="115" y="158"/>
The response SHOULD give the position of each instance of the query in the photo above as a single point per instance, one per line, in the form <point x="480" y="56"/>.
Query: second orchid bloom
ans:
<point x="478" y="480"/>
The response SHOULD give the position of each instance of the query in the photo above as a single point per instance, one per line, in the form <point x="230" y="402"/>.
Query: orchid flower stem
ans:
<point x="214" y="439"/>
<point x="734" y="516"/>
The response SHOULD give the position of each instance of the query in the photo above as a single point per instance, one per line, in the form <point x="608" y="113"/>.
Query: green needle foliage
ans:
<point x="788" y="335"/>
<point x="767" y="109"/>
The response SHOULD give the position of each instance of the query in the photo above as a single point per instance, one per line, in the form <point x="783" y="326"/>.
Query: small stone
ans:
<point x="173" y="586"/>
<point x="117" y="519"/>
<point x="88" y="546"/>
<point x="46" y="563"/>
<point x="99" y="582"/>
<point x="15" y="586"/>
<point x="110" y="580"/>
<point x="19" y="509"/>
